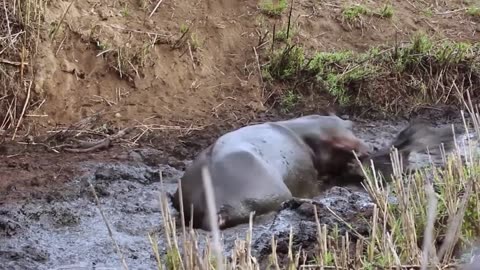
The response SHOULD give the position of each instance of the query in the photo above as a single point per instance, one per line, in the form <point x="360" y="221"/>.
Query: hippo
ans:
<point x="256" y="168"/>
<point x="418" y="136"/>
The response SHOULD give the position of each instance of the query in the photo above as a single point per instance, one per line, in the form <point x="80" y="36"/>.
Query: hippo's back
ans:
<point x="280" y="149"/>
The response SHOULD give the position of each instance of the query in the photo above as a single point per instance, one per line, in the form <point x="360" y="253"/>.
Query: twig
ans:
<point x="85" y="147"/>
<point x="155" y="8"/>
<point x="289" y="19"/>
<point x="319" y="266"/>
<point x="431" y="215"/>
<point x="135" y="31"/>
<point x="103" y="52"/>
<point x="61" y="44"/>
<point x="27" y="100"/>
<point x="212" y="214"/>
<point x="36" y="115"/>
<point x="13" y="37"/>
<point x="164" y="127"/>
<point x="13" y="63"/>
<point x="110" y="233"/>
<point x="259" y="69"/>
<point x="454" y="226"/>
<point x="273" y="38"/>
<point x="61" y="19"/>
<point x="134" y="68"/>
<point x="99" y="145"/>
<point x="191" y="55"/>
<point x="180" y="39"/>
<point x="450" y="11"/>
<point x="9" y="34"/>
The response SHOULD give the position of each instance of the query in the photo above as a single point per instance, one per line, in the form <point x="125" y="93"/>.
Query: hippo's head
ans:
<point x="333" y="144"/>
<point x="335" y="137"/>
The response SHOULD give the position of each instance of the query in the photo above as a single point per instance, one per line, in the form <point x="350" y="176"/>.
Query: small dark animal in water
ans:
<point x="256" y="168"/>
<point x="418" y="136"/>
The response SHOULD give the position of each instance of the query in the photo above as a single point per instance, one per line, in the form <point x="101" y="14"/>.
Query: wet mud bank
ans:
<point x="61" y="227"/>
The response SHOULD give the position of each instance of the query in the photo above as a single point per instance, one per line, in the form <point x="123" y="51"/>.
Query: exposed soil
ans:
<point x="78" y="72"/>
<point x="181" y="92"/>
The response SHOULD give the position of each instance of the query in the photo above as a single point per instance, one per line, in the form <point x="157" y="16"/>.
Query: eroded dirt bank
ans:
<point x="47" y="224"/>
<point x="183" y="74"/>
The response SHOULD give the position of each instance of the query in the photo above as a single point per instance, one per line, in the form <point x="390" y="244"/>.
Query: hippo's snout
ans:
<point x="363" y="149"/>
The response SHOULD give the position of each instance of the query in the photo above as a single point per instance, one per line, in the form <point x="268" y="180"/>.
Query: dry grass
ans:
<point x="425" y="220"/>
<point x="18" y="45"/>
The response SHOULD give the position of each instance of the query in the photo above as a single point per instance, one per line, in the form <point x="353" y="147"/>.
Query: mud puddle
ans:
<point x="66" y="230"/>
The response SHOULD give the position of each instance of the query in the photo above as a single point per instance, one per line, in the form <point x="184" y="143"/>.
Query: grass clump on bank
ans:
<point x="474" y="11"/>
<point x="386" y="11"/>
<point x="421" y="71"/>
<point x="272" y="7"/>
<point x="355" y="13"/>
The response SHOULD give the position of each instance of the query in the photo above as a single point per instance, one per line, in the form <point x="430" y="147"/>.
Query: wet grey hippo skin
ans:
<point x="256" y="168"/>
<point x="418" y="136"/>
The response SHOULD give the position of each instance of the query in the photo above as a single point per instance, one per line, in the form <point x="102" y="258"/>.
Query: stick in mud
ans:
<point x="210" y="196"/>
<point x="110" y="233"/>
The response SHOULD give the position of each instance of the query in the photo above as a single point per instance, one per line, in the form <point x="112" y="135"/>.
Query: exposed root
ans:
<point x="86" y="146"/>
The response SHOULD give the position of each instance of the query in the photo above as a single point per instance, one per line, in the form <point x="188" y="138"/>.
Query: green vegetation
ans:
<point x="281" y="35"/>
<point x="289" y="100"/>
<point x="285" y="63"/>
<point x="195" y="42"/>
<point x="184" y="28"/>
<point x="348" y="76"/>
<point x="473" y="11"/>
<point x="428" y="12"/>
<point x="125" y="11"/>
<point x="271" y="8"/>
<point x="386" y="11"/>
<point x="188" y="38"/>
<point x="414" y="222"/>
<point x="103" y="45"/>
<point x="354" y="12"/>
<point x="325" y="66"/>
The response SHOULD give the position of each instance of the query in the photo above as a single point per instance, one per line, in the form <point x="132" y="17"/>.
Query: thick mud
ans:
<point x="61" y="227"/>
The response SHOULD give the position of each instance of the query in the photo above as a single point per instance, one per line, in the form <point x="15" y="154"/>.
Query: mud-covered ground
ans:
<point x="49" y="219"/>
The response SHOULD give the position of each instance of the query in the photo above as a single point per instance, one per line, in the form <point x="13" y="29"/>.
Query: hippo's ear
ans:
<point x="343" y="143"/>
<point x="348" y="144"/>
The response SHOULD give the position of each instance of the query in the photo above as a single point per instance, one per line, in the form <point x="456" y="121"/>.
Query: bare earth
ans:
<point x="180" y="91"/>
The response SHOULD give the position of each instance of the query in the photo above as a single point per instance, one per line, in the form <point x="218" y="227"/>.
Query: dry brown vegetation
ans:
<point x="176" y="68"/>
<point x="192" y="65"/>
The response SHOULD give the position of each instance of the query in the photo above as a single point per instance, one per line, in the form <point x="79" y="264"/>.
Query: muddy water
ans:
<point x="68" y="232"/>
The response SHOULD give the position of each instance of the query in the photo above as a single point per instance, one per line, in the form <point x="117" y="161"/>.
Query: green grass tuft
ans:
<point x="354" y="12"/>
<point x="386" y="11"/>
<point x="289" y="100"/>
<point x="347" y="76"/>
<point x="473" y="11"/>
<point x="285" y="63"/>
<point x="270" y="8"/>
